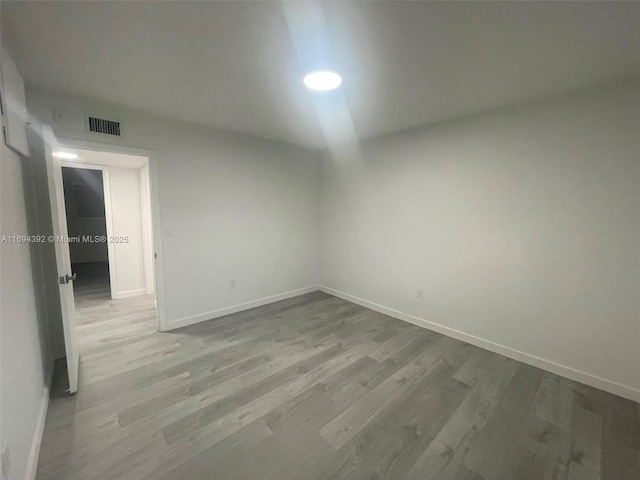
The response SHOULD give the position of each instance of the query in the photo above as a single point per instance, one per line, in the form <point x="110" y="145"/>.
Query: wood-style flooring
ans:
<point x="315" y="387"/>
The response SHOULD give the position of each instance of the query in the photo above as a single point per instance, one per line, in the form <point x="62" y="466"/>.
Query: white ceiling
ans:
<point x="239" y="65"/>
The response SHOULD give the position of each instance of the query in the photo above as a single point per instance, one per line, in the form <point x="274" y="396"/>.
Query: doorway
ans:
<point x="86" y="221"/>
<point x="109" y="224"/>
<point x="117" y="316"/>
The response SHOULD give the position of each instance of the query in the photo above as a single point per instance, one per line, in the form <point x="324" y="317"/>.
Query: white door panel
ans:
<point x="63" y="257"/>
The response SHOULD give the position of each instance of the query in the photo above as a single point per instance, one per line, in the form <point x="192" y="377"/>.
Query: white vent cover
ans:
<point x="103" y="126"/>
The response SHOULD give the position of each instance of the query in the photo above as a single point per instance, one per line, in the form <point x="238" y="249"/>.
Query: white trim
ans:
<point x="108" y="219"/>
<point x="202" y="317"/>
<point x="147" y="227"/>
<point x="34" y="452"/>
<point x="155" y="210"/>
<point x="129" y="293"/>
<point x="533" y="360"/>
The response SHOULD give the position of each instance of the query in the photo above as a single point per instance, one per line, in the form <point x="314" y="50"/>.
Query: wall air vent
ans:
<point x="103" y="126"/>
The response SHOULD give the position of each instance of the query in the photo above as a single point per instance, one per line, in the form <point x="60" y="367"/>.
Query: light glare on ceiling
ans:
<point x="322" y="81"/>
<point x="65" y="155"/>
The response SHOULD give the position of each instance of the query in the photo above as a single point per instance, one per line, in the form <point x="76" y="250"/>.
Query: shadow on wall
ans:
<point x="43" y="264"/>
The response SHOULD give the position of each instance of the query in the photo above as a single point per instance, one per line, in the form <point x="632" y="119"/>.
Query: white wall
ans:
<point x="522" y="226"/>
<point x="128" y="257"/>
<point x="24" y="364"/>
<point x="239" y="207"/>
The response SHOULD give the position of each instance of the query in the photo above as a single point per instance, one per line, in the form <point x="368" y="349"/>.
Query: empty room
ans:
<point x="313" y="240"/>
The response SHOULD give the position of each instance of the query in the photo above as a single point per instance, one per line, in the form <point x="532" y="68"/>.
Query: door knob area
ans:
<point x="66" y="279"/>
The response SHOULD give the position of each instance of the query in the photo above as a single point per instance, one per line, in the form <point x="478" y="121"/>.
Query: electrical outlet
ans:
<point x="232" y="284"/>
<point x="168" y="232"/>
<point x="419" y="293"/>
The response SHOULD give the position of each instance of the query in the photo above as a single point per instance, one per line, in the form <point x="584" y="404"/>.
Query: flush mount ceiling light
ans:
<point x="65" y="155"/>
<point x="322" y="81"/>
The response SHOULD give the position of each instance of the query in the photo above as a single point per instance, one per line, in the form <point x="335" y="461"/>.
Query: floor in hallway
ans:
<point x="102" y="321"/>
<point x="315" y="387"/>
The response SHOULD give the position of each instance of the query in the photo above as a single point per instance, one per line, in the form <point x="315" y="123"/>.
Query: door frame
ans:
<point x="155" y="209"/>
<point x="144" y="177"/>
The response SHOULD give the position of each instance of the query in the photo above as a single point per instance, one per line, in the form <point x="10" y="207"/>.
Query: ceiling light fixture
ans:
<point x="322" y="81"/>
<point x="65" y="155"/>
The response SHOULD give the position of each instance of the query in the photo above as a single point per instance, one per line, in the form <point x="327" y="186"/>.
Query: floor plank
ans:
<point x="315" y="387"/>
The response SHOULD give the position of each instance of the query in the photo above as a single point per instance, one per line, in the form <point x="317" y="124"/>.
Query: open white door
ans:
<point x="63" y="257"/>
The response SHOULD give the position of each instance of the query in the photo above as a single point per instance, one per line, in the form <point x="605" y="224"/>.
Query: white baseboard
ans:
<point x="34" y="452"/>
<point x="129" y="293"/>
<point x="183" y="322"/>
<point x="544" y="364"/>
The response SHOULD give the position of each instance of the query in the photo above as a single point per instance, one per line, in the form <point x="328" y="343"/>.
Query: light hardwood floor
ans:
<point x="315" y="387"/>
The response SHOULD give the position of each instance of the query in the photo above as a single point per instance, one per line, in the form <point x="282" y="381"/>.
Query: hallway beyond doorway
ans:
<point x="104" y="323"/>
